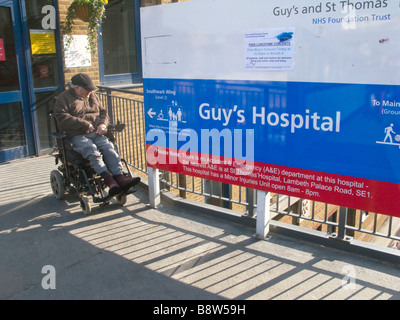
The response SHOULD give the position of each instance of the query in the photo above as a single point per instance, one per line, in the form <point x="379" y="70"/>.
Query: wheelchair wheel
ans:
<point x="85" y="205"/>
<point x="121" y="200"/>
<point x="57" y="184"/>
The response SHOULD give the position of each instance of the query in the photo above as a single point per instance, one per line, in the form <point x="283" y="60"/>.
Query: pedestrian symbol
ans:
<point x="389" y="134"/>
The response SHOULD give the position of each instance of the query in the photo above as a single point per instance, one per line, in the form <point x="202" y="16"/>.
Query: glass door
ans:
<point x="16" y="136"/>
<point x="43" y="69"/>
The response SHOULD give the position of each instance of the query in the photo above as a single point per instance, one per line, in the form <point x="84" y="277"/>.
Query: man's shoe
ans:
<point x="113" y="186"/>
<point x="126" y="183"/>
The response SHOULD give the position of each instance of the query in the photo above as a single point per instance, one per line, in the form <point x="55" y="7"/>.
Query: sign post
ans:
<point x="154" y="187"/>
<point x="263" y="213"/>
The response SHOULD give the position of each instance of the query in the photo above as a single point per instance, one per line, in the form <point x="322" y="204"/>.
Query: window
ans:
<point x="44" y="60"/>
<point x="8" y="58"/>
<point x="119" y="44"/>
<point x="12" y="132"/>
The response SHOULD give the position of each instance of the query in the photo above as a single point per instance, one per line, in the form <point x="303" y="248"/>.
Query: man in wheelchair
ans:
<point x="81" y="116"/>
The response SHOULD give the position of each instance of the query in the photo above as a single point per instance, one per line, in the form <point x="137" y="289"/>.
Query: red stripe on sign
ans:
<point x="2" y="52"/>
<point x="357" y="193"/>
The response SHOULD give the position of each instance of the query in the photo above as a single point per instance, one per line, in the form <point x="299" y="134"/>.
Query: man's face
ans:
<point x="82" y="92"/>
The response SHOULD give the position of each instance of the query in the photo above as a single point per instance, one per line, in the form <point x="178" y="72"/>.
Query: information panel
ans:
<point x="42" y="41"/>
<point x="295" y="97"/>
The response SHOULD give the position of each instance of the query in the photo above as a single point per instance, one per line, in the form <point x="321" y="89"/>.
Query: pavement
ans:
<point x="51" y="250"/>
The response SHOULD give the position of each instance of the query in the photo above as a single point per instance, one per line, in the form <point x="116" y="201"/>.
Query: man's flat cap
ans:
<point x="83" y="80"/>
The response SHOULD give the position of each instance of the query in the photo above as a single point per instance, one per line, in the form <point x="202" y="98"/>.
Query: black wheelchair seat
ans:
<point x="65" y="149"/>
<point x="77" y="159"/>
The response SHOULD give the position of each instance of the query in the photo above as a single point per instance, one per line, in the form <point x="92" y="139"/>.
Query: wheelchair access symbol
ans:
<point x="389" y="133"/>
<point x="174" y="113"/>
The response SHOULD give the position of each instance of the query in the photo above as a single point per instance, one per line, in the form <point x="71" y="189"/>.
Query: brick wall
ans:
<point x="80" y="28"/>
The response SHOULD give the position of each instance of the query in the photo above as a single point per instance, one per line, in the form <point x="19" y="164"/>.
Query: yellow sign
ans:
<point x="42" y="41"/>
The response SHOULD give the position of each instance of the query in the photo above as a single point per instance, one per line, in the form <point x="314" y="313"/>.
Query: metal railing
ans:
<point x="127" y="106"/>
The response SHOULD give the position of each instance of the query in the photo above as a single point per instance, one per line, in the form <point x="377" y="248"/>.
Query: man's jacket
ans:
<point x="74" y="114"/>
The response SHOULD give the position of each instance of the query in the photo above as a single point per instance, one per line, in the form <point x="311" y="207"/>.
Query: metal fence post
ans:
<point x="263" y="215"/>
<point x="250" y="201"/>
<point x="109" y="105"/>
<point x="341" y="232"/>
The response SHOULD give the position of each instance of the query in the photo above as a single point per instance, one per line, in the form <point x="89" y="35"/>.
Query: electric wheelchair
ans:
<point x="75" y="175"/>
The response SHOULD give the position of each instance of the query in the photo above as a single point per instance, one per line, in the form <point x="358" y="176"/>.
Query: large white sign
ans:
<point x="338" y="41"/>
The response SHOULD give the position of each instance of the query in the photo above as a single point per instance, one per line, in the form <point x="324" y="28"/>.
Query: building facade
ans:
<point x="35" y="67"/>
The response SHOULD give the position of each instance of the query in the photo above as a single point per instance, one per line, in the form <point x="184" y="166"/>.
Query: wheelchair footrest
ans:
<point x="108" y="197"/>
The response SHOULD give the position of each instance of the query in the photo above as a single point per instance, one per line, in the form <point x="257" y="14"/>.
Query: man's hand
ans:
<point x="91" y="129"/>
<point x="101" y="129"/>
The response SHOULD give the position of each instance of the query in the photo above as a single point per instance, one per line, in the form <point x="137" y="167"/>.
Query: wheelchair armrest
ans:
<point x="119" y="127"/>
<point x="62" y="141"/>
<point x="59" y="135"/>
